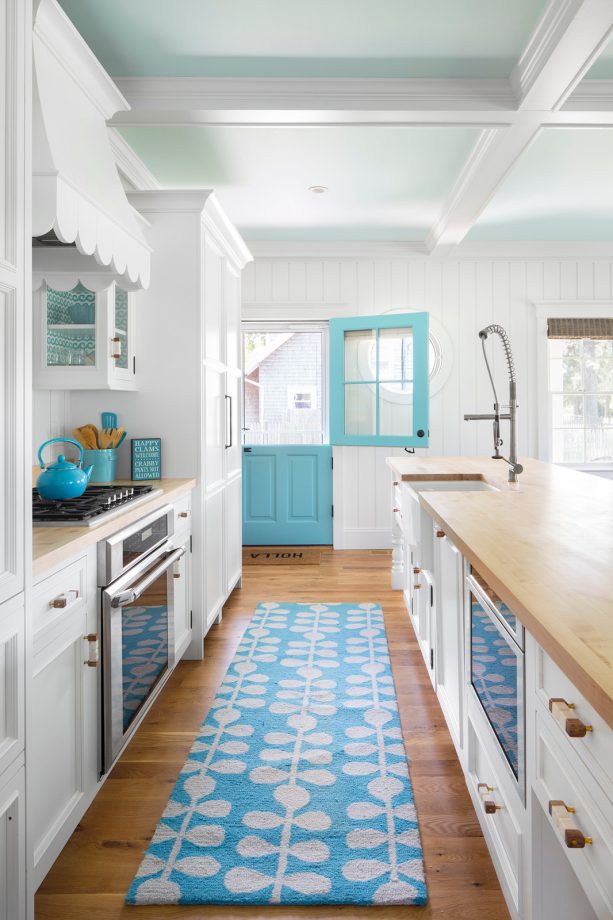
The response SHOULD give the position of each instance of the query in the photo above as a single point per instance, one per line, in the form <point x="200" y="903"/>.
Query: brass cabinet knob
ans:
<point x="569" y="833"/>
<point x="396" y="482"/>
<point x="396" y="509"/>
<point x="440" y="533"/>
<point x="183" y="514"/>
<point x="562" y="713"/>
<point x="416" y="570"/>
<point x="58" y="602"/>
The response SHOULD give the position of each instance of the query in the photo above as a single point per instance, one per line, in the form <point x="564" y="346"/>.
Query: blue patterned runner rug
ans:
<point x="297" y="788"/>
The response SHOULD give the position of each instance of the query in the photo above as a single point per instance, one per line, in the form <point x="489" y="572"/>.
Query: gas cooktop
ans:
<point x="97" y="505"/>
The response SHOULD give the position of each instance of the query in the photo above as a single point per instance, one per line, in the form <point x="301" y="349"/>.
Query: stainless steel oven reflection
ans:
<point x="496" y="671"/>
<point x="135" y="573"/>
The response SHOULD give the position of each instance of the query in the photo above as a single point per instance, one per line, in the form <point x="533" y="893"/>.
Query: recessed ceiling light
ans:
<point x="318" y="189"/>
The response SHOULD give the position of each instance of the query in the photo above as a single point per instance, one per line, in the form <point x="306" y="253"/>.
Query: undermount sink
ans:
<point x="452" y="485"/>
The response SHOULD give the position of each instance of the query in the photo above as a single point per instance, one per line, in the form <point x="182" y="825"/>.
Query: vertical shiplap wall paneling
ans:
<point x="464" y="295"/>
<point x="432" y="303"/>
<point x="535" y="291"/>
<point x="463" y="356"/>
<point x="50" y="412"/>
<point x="483" y="393"/>
<point x="449" y="397"/>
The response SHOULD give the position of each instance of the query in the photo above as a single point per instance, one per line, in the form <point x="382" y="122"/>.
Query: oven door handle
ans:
<point x="128" y="597"/>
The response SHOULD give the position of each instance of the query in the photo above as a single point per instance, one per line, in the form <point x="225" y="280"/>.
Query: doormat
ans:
<point x="297" y="788"/>
<point x="281" y="555"/>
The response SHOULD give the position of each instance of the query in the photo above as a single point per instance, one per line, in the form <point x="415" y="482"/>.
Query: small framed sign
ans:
<point x="146" y="458"/>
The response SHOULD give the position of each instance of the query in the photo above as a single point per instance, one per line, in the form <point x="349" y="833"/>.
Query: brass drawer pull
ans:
<point x="562" y="713"/>
<point x="396" y="510"/>
<point x="416" y="570"/>
<point x="93" y="654"/>
<point x="183" y="514"/>
<point x="489" y="806"/>
<point x="573" y="838"/>
<point x="62" y="600"/>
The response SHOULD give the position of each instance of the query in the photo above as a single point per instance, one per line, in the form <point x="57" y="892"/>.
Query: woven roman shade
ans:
<point x="580" y="327"/>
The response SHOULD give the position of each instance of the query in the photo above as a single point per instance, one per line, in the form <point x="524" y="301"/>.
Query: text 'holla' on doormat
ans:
<point x="297" y="789"/>
<point x="281" y="555"/>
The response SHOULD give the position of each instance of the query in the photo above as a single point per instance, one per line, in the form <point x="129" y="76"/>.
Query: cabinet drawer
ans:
<point x="183" y="512"/>
<point x="557" y="781"/>
<point x="57" y="597"/>
<point x="498" y="812"/>
<point x="595" y="748"/>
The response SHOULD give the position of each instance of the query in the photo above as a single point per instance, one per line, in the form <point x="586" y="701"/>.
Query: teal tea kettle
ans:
<point x="62" y="479"/>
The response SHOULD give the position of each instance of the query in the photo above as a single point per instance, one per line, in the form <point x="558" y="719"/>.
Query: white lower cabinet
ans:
<point x="13" y="843"/>
<point x="449" y="643"/>
<point x="11" y="682"/>
<point x="183" y="596"/>
<point x="545" y="873"/>
<point x="233" y="520"/>
<point x="501" y="814"/>
<point x="63" y="743"/>
<point x="214" y="572"/>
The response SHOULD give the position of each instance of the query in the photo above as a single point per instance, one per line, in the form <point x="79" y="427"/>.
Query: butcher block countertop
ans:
<point x="51" y="546"/>
<point x="545" y="545"/>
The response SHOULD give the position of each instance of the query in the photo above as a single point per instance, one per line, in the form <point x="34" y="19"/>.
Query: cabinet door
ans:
<point x="449" y="634"/>
<point x="12" y="444"/>
<point x="15" y="288"/>
<point x="63" y="741"/>
<point x="214" y="555"/>
<point x="233" y="526"/>
<point x="233" y="361"/>
<point x="11" y="682"/>
<point x="12" y="845"/>
<point x="123" y="358"/>
<point x="182" y="598"/>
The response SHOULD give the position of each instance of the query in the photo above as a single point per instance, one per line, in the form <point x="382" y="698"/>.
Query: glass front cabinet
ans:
<point x="84" y="339"/>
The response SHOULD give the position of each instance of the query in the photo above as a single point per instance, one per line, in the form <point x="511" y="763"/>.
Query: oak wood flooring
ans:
<point x="94" y="871"/>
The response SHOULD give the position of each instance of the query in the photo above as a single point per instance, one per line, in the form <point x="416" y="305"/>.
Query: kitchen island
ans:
<point x="528" y="698"/>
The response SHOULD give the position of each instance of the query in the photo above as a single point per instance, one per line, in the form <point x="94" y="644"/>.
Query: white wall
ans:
<point x="464" y="294"/>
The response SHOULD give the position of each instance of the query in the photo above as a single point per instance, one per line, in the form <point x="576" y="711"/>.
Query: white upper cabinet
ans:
<point x="83" y="338"/>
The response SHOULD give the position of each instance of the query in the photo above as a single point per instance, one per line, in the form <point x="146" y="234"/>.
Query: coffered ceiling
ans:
<point x="316" y="38"/>
<point x="429" y="121"/>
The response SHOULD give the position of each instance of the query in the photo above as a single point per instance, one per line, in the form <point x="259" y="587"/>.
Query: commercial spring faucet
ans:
<point x="515" y="468"/>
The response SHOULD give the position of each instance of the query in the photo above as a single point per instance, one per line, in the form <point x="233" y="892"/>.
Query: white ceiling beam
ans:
<point x="182" y="101"/>
<point x="566" y="42"/>
<point x="491" y="160"/>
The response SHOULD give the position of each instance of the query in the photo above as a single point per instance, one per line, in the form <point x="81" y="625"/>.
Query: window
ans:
<point x="379" y="380"/>
<point x="284" y="383"/>
<point x="575" y="362"/>
<point x="581" y="394"/>
<point x="300" y="397"/>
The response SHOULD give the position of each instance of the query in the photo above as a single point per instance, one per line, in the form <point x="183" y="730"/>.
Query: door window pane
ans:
<point x="361" y="354"/>
<point x="395" y="354"/>
<point x="283" y="395"/>
<point x="360" y="409"/>
<point x="71" y="327"/>
<point x="121" y="326"/>
<point x="396" y="408"/>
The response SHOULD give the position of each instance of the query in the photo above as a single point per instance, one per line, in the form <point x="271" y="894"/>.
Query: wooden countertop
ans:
<point x="51" y="546"/>
<point x="545" y="546"/>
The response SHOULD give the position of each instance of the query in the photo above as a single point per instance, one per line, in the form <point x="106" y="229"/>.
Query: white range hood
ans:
<point x="76" y="190"/>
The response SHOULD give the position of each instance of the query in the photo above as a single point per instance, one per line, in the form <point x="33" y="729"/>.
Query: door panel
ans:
<point x="287" y="495"/>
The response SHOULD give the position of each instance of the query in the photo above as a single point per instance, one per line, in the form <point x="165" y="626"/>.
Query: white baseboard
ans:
<point x="363" y="538"/>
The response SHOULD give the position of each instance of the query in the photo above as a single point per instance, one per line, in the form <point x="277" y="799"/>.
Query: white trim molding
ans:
<point x="550" y="309"/>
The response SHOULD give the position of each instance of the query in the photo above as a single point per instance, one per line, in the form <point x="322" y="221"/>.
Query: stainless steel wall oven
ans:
<point x="495" y="660"/>
<point x="135" y="573"/>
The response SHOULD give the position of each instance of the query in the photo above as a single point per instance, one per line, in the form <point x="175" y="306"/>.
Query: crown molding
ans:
<point x="325" y="94"/>
<point x="270" y="250"/>
<point x="591" y="96"/>
<point x="567" y="40"/>
<point x="55" y="31"/>
<point x="130" y="164"/>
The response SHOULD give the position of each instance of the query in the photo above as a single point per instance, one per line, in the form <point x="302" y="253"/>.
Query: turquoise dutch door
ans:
<point x="379" y="380"/>
<point x="287" y="495"/>
<point x="377" y="396"/>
